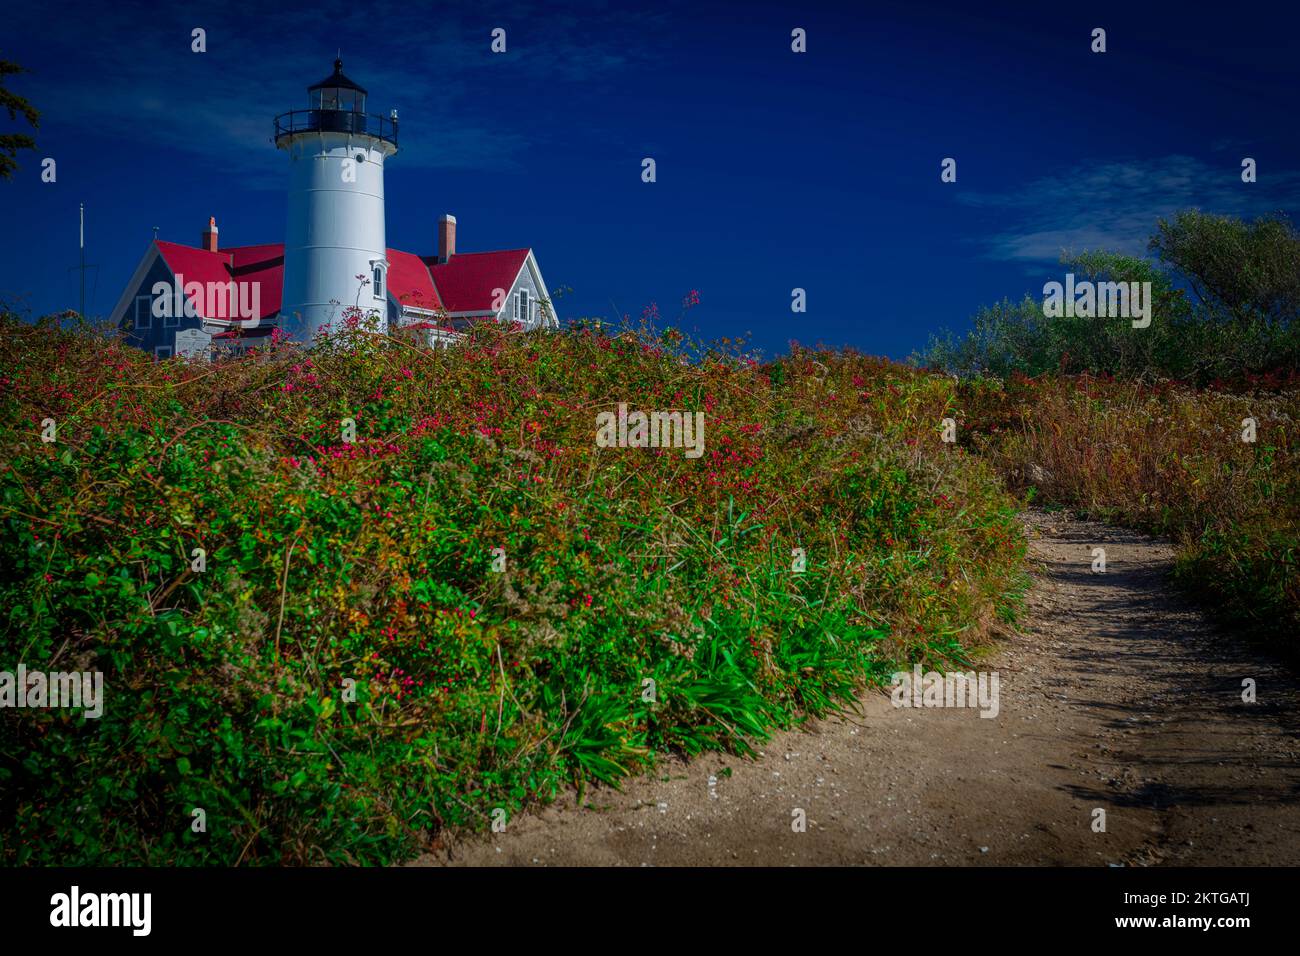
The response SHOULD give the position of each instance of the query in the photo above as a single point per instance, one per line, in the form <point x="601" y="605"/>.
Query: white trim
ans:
<point x="530" y="262"/>
<point x="441" y="338"/>
<point x="137" y="277"/>
<point x="216" y="326"/>
<point x="410" y="315"/>
<point x="500" y="316"/>
<point x="417" y="310"/>
<point x="544" y="294"/>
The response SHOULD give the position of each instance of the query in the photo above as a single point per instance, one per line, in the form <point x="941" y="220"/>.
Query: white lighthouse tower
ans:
<point x="335" y="248"/>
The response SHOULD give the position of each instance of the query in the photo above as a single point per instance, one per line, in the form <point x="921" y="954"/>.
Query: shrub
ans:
<point x="370" y="564"/>
<point x="1169" y="460"/>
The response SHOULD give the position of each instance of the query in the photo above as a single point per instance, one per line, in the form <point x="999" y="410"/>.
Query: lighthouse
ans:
<point x="335" y="254"/>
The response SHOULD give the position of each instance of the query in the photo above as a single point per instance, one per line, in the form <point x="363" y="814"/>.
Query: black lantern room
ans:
<point x="337" y="92"/>
<point x="336" y="105"/>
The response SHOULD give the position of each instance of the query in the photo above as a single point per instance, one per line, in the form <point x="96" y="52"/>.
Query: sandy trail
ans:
<point x="1118" y="695"/>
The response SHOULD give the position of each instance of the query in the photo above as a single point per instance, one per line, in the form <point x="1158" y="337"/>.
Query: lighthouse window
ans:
<point x="379" y="282"/>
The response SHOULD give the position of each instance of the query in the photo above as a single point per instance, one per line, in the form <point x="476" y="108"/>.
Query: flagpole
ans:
<point x="83" y="260"/>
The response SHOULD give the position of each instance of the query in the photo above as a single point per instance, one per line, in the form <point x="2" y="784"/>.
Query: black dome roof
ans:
<point x="337" y="81"/>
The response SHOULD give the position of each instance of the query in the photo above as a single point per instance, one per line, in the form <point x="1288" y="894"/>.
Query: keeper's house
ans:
<point x="334" y="257"/>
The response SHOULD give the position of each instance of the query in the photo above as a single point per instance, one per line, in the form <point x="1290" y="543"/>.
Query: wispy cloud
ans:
<point x="1115" y="205"/>
<point x="129" y="67"/>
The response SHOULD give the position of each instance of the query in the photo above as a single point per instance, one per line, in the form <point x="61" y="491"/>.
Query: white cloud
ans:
<point x="1115" y="205"/>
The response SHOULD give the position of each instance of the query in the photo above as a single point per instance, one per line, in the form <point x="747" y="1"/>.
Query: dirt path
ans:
<point x="1118" y="696"/>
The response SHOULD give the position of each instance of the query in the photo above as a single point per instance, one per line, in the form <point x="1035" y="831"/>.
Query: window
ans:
<point x="162" y="352"/>
<point x="143" y="312"/>
<point x="523" y="314"/>
<point x="379" y="282"/>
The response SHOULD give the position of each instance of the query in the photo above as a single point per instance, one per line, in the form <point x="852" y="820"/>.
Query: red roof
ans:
<point x="195" y="265"/>
<point x="468" y="283"/>
<point x="243" y="264"/>
<point x="264" y="264"/>
<point x="409" y="282"/>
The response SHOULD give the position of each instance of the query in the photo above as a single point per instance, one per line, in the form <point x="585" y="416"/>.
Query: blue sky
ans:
<point x="775" y="170"/>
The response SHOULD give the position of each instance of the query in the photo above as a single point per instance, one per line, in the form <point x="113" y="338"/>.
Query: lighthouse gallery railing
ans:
<point x="335" y="121"/>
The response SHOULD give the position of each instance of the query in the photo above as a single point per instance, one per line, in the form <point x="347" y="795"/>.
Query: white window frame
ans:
<point x="525" y="306"/>
<point x="379" y="279"/>
<point x="148" y="313"/>
<point x="159" y="349"/>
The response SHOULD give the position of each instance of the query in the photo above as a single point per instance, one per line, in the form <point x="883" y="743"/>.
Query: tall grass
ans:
<point x="1170" y="460"/>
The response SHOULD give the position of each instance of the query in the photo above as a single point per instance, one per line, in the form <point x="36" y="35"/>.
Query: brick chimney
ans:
<point x="209" y="240"/>
<point x="446" y="237"/>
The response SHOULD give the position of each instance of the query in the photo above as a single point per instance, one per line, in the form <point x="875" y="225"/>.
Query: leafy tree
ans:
<point x="1239" y="271"/>
<point x="1244" y="280"/>
<point x="1017" y="337"/>
<point x="10" y="143"/>
<point x="1006" y="337"/>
